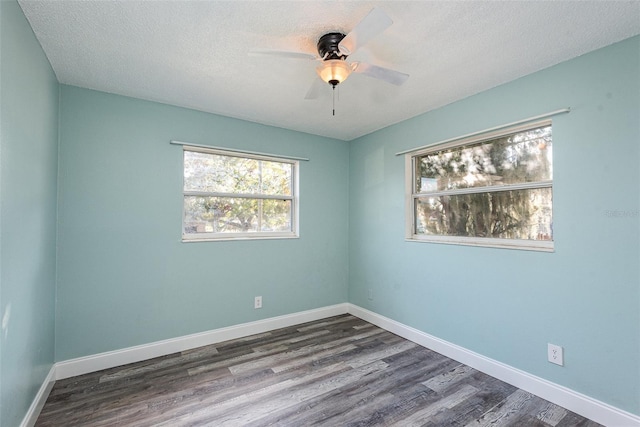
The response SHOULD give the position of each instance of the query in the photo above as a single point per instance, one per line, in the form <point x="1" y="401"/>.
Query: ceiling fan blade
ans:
<point x="314" y="90"/>
<point x="282" y="54"/>
<point x="390" y="76"/>
<point x="371" y="25"/>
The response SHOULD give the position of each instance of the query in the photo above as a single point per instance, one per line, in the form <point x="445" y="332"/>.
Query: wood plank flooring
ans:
<point x="340" y="371"/>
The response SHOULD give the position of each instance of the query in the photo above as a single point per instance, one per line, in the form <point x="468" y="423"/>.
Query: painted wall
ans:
<point x="508" y="304"/>
<point x="28" y="170"/>
<point x="125" y="278"/>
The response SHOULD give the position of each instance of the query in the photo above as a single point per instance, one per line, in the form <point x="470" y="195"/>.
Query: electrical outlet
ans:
<point x="257" y="302"/>
<point x="555" y="354"/>
<point x="370" y="294"/>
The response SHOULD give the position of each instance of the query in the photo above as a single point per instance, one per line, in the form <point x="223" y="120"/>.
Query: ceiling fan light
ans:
<point x="334" y="71"/>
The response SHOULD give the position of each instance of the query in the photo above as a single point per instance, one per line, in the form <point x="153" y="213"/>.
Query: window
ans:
<point x="230" y="195"/>
<point x="490" y="190"/>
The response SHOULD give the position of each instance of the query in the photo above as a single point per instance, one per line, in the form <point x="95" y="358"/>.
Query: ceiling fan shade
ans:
<point x="334" y="71"/>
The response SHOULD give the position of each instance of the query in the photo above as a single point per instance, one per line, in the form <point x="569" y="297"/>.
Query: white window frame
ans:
<point x="254" y="235"/>
<point x="411" y="195"/>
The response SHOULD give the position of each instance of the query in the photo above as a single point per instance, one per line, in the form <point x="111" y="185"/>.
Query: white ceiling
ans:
<point x="195" y="53"/>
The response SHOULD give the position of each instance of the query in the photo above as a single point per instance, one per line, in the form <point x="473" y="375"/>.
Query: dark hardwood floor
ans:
<point x="340" y="371"/>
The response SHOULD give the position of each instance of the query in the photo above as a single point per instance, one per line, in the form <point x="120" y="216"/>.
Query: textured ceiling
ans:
<point x="195" y="54"/>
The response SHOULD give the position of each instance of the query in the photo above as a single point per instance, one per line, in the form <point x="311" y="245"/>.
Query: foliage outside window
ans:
<point x="492" y="190"/>
<point x="229" y="195"/>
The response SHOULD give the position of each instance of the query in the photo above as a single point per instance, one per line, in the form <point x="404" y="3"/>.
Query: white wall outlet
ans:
<point x="257" y="302"/>
<point x="370" y="294"/>
<point x="555" y="354"/>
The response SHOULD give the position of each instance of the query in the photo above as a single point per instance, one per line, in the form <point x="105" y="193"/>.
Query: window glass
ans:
<point x="517" y="158"/>
<point x="516" y="214"/>
<point x="493" y="190"/>
<point x="230" y="196"/>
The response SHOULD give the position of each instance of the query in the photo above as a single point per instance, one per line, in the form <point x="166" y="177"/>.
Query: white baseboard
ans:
<point x="31" y="416"/>
<point x="97" y="362"/>
<point x="579" y="403"/>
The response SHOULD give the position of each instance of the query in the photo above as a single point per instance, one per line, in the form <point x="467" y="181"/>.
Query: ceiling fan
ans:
<point x="335" y="47"/>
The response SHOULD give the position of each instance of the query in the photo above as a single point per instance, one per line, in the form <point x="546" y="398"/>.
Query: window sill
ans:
<point x="244" y="237"/>
<point x="523" y="245"/>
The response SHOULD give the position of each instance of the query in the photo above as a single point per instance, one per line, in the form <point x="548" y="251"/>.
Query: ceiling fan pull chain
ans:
<point x="334" y="99"/>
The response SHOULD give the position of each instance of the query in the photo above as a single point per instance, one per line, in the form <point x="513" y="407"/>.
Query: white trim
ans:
<point x="480" y="132"/>
<point x="110" y="359"/>
<point x="294" y="198"/>
<point x="480" y="137"/>
<point x="235" y="150"/>
<point x="409" y="204"/>
<point x="210" y="237"/>
<point x="239" y="195"/>
<point x="40" y="399"/>
<point x="581" y="404"/>
<point x="486" y="242"/>
<point x="486" y="189"/>
<point x="230" y="152"/>
<point x="413" y="196"/>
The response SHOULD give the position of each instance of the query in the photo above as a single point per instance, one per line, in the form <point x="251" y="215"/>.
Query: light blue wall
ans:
<point x="508" y="304"/>
<point x="125" y="278"/>
<point x="28" y="170"/>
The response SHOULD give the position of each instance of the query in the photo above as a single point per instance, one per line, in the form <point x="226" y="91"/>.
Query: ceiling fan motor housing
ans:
<point x="328" y="46"/>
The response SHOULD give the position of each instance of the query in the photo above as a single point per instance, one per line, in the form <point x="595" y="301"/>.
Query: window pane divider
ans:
<point x="487" y="189"/>
<point x="239" y="195"/>
<point x="236" y="221"/>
